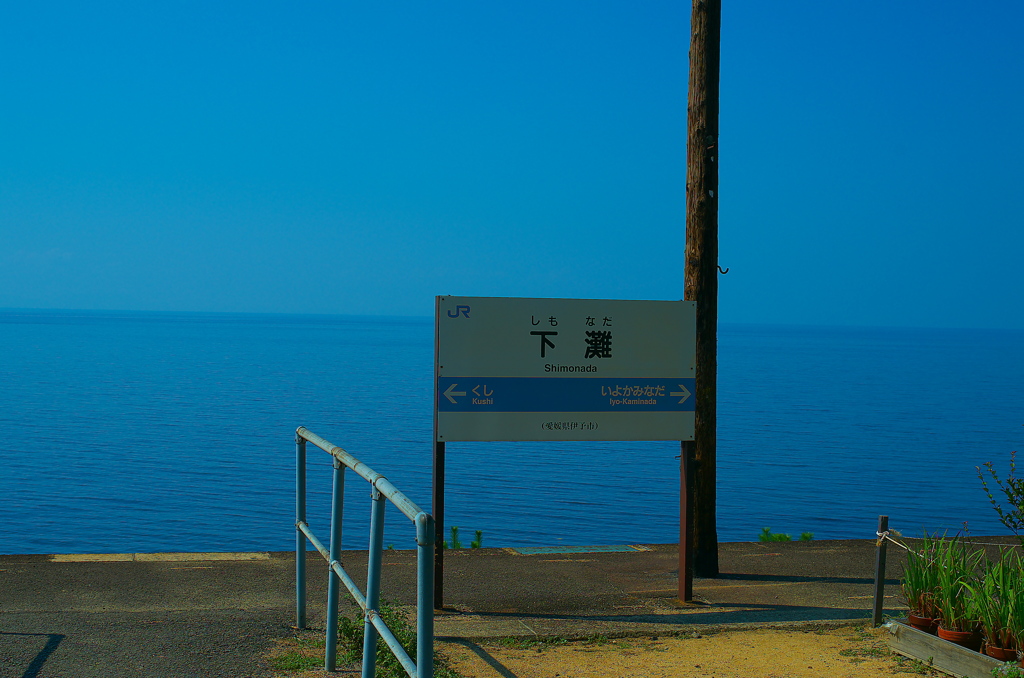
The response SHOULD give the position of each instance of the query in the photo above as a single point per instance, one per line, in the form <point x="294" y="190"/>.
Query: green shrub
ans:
<point x="1012" y="488"/>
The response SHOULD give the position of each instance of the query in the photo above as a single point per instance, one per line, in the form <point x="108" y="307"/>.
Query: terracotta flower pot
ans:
<point x="969" y="639"/>
<point x="926" y="624"/>
<point x="1003" y="654"/>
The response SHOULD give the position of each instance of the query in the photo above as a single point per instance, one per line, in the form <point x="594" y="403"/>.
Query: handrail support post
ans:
<point x="300" y="539"/>
<point x="373" y="572"/>
<point x="425" y="542"/>
<point x="337" y="509"/>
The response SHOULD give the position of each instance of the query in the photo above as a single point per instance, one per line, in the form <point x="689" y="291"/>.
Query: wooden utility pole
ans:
<point x="702" y="274"/>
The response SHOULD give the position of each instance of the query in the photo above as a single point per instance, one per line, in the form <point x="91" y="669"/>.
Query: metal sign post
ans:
<point x="559" y="369"/>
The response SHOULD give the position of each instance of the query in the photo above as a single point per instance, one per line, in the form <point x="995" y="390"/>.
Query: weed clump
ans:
<point x="456" y="544"/>
<point x="308" y="653"/>
<point x="768" y="535"/>
<point x="351" y="634"/>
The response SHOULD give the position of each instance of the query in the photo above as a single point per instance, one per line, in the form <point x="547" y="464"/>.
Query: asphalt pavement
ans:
<point x="210" y="615"/>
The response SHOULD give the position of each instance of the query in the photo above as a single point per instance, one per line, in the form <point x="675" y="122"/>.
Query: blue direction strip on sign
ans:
<point x="564" y="394"/>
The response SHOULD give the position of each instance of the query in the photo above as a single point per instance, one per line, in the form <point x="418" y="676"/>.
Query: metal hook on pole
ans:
<point x="723" y="271"/>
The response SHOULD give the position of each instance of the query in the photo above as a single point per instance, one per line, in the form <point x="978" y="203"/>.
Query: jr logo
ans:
<point x="459" y="310"/>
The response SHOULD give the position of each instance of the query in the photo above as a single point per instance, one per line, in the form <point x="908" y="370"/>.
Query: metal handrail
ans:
<point x="374" y="625"/>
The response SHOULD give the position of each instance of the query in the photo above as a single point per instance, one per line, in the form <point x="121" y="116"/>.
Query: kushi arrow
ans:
<point x="449" y="393"/>
<point x="683" y="395"/>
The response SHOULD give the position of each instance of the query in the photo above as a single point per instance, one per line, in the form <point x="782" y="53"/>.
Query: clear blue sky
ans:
<point x="333" y="157"/>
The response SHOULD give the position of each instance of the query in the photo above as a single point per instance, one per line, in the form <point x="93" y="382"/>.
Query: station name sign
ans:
<point x="564" y="369"/>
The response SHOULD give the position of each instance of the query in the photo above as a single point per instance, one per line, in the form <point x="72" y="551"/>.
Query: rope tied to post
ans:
<point x="900" y="544"/>
<point x="888" y="535"/>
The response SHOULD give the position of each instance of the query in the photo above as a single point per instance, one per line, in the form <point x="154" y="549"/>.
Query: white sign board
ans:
<point x="564" y="369"/>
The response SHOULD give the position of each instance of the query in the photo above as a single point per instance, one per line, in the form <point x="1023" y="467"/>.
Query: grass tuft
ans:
<point x="351" y="634"/>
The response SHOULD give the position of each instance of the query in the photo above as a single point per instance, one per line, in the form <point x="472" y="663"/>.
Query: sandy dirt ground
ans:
<point x="847" y="652"/>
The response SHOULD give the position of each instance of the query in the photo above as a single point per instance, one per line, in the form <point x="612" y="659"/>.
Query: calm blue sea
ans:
<point x="135" y="432"/>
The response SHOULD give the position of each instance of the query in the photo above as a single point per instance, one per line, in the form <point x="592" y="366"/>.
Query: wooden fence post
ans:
<point x="883" y="527"/>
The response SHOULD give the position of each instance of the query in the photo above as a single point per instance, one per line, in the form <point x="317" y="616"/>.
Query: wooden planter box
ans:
<point x="938" y="653"/>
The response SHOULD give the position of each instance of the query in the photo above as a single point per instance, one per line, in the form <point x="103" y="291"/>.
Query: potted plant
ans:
<point x="920" y="580"/>
<point x="996" y="600"/>
<point x="957" y="607"/>
<point x="1016" y="617"/>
